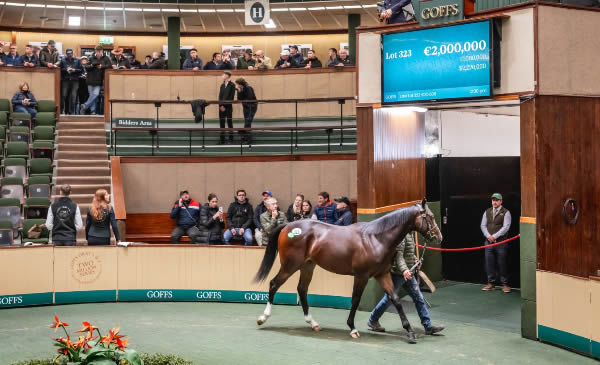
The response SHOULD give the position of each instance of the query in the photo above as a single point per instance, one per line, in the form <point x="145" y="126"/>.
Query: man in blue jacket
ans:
<point x="70" y="70"/>
<point x="29" y="59"/>
<point x="12" y="57"/>
<point x="186" y="211"/>
<point x="326" y="210"/>
<point x="193" y="62"/>
<point x="343" y="211"/>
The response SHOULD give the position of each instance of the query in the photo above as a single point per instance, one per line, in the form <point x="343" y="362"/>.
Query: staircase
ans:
<point x="82" y="161"/>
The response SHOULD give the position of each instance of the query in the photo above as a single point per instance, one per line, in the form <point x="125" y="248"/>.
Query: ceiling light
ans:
<point x="55" y="6"/>
<point x="15" y="4"/>
<point x="113" y="9"/>
<point x="270" y="24"/>
<point x="280" y="9"/>
<point x="317" y="8"/>
<point x="334" y="7"/>
<point x="370" y="6"/>
<point x="93" y="8"/>
<point x="133" y="9"/>
<point x="74" y="21"/>
<point x="224" y="10"/>
<point x="170" y="10"/>
<point x="188" y="10"/>
<point x="352" y="6"/>
<point x="35" y="5"/>
<point x="240" y="10"/>
<point x="75" y="7"/>
<point x="206" y="10"/>
<point x="297" y="9"/>
<point x="151" y="10"/>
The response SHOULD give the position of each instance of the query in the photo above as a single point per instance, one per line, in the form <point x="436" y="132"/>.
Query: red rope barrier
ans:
<point x="470" y="248"/>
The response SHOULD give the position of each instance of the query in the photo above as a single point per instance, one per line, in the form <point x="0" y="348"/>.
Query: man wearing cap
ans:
<point x="193" y="62"/>
<point x="70" y="70"/>
<point x="258" y="211"/>
<point x="296" y="55"/>
<point x="494" y="226"/>
<point x="246" y="62"/>
<point x="49" y="56"/>
<point x="118" y="60"/>
<point x="343" y="210"/>
<point x="285" y="61"/>
<point x="29" y="59"/>
<point x="97" y="63"/>
<point x="186" y="211"/>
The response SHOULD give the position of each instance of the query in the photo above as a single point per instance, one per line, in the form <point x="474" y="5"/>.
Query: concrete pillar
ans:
<point x="174" y="41"/>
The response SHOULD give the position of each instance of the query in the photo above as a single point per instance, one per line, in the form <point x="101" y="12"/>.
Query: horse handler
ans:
<point x="404" y="259"/>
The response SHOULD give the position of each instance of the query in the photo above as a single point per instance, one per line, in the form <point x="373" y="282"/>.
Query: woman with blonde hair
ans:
<point x="99" y="219"/>
<point x="24" y="101"/>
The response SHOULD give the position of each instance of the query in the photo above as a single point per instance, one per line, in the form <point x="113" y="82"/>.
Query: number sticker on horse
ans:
<point x="297" y="231"/>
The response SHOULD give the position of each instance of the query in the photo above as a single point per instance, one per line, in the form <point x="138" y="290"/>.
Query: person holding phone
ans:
<point x="24" y="101"/>
<point x="186" y="211"/>
<point x="212" y="222"/>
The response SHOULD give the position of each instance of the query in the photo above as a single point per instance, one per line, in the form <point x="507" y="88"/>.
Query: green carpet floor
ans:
<point x="481" y="328"/>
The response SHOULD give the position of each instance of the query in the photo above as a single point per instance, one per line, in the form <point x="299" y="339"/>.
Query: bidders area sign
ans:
<point x="134" y="123"/>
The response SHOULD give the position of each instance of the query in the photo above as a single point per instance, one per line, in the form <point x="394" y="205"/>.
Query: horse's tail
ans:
<point x="270" y="253"/>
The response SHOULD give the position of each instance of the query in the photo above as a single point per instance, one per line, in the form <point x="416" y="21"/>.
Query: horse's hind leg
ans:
<point x="274" y="285"/>
<point x="306" y="273"/>
<point x="386" y="283"/>
<point x="359" y="286"/>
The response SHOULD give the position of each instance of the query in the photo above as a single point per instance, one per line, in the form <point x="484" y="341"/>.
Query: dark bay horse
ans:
<point x="363" y="250"/>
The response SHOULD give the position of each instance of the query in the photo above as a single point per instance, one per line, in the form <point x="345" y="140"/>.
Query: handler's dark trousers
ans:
<point x="495" y="261"/>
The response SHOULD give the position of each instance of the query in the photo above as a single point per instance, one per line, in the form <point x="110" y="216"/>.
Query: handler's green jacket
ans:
<point x="405" y="256"/>
<point x="269" y="224"/>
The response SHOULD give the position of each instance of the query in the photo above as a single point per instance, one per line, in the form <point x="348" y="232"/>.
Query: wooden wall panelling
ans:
<point x="528" y="158"/>
<point x="568" y="146"/>
<point x="364" y="157"/>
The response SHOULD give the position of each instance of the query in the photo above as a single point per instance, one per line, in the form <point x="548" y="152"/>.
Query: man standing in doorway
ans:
<point x="494" y="226"/>
<point x="64" y="219"/>
<point x="226" y="92"/>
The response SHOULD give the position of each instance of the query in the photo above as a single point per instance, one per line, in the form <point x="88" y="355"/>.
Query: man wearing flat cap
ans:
<point x="49" y="56"/>
<point x="118" y="60"/>
<point x="343" y="211"/>
<point x="494" y="226"/>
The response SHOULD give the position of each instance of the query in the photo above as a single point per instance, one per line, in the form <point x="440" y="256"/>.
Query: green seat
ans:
<point x="6" y="233"/>
<point x="14" y="167"/>
<point x="17" y="149"/>
<point x="43" y="133"/>
<point x="3" y="118"/>
<point x="36" y="208"/>
<point x="20" y="119"/>
<point x="40" y="167"/>
<point x="46" y="106"/>
<point x="10" y="210"/>
<point x="45" y="118"/>
<point x="12" y="187"/>
<point x="39" y="187"/>
<point x="19" y="133"/>
<point x="42" y="149"/>
<point x="27" y="224"/>
<point x="5" y="105"/>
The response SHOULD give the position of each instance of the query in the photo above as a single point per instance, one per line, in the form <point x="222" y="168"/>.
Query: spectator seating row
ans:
<point x="26" y="170"/>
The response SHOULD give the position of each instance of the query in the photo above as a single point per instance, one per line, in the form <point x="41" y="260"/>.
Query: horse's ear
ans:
<point x="423" y="203"/>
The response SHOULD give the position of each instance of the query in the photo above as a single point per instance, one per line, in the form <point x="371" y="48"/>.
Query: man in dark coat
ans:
<point x="193" y="62"/>
<point x="64" y="219"/>
<point x="70" y="71"/>
<point x="157" y="62"/>
<point x="343" y="211"/>
<point x="118" y="60"/>
<point x="95" y="67"/>
<point x="226" y="92"/>
<point x="186" y="211"/>
<point x="49" y="56"/>
<point x="393" y="12"/>
<point x="246" y="92"/>
<point x="215" y="63"/>
<point x="312" y="61"/>
<point x="239" y="219"/>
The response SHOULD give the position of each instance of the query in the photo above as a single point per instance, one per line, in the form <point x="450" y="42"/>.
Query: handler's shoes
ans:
<point x="433" y="330"/>
<point x="375" y="326"/>
<point x="488" y="287"/>
<point x="506" y="289"/>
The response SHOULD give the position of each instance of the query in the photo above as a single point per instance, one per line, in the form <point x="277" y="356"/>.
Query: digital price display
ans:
<point x="437" y="64"/>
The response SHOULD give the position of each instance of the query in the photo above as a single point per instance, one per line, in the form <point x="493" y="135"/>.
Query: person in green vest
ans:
<point x="494" y="226"/>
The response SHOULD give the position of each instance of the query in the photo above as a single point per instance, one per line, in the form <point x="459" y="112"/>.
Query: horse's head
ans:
<point x="425" y="224"/>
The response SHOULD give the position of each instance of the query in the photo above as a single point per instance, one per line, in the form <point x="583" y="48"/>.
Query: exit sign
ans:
<point x="106" y="40"/>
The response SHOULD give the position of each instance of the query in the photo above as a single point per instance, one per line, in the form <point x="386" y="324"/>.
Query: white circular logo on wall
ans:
<point x="257" y="12"/>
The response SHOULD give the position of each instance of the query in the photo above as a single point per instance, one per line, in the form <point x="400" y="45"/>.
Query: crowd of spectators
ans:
<point x="205" y="223"/>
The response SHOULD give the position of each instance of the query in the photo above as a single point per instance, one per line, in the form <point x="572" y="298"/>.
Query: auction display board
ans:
<point x="443" y="63"/>
<point x="82" y="274"/>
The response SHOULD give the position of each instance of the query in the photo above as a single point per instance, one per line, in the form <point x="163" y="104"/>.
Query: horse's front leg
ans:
<point x="385" y="280"/>
<point x="359" y="286"/>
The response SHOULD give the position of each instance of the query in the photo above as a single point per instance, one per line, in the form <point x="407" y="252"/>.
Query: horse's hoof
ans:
<point x="261" y="320"/>
<point x="316" y="328"/>
<point x="355" y="334"/>
<point x="411" y="337"/>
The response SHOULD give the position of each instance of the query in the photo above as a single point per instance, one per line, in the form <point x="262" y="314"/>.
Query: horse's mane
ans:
<point x="389" y="221"/>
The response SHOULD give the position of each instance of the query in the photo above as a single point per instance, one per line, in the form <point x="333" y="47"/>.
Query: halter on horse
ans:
<point x="363" y="250"/>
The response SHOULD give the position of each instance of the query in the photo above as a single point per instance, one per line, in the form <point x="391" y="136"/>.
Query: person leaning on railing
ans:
<point x="29" y="59"/>
<point x="312" y="61"/>
<point x="193" y="62"/>
<point x="344" y="58"/>
<point x="246" y="92"/>
<point x="262" y="62"/>
<point x="246" y="62"/>
<point x="12" y="58"/>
